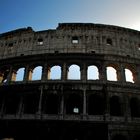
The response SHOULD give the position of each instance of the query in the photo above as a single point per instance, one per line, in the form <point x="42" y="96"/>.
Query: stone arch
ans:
<point x="55" y="73"/>
<point x="92" y="72"/>
<point x="111" y="73"/>
<point x="30" y="103"/>
<point x="115" y="106"/>
<point x="11" y="103"/>
<point x="135" y="107"/>
<point x="74" y="72"/>
<point x="18" y="74"/>
<point x="96" y="104"/>
<point x="36" y="73"/>
<point x="50" y="103"/>
<point x="74" y="104"/>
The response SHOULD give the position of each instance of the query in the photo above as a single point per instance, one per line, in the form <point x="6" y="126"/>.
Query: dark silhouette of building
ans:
<point x="80" y="81"/>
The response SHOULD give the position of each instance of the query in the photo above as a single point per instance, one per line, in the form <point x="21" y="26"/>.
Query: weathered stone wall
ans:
<point x="92" y="38"/>
<point x="63" y="108"/>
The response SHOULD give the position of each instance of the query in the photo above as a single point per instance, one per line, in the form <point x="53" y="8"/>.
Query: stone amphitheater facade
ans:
<point x="90" y="105"/>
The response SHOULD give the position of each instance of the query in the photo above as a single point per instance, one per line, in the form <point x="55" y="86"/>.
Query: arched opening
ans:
<point x="55" y="73"/>
<point x="135" y="107"/>
<point x="30" y="103"/>
<point x="96" y="105"/>
<point x="20" y="74"/>
<point x="50" y="104"/>
<point x="93" y="73"/>
<point x="108" y="41"/>
<point x="11" y="104"/>
<point x="37" y="73"/>
<point x="74" y="104"/>
<point x="115" y="106"/>
<point x="129" y="75"/>
<point x="111" y="74"/>
<point x="74" y="72"/>
<point x="119" y="137"/>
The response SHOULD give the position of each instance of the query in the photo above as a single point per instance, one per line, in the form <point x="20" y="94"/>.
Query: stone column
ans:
<point x="40" y="101"/>
<point x="9" y="76"/>
<point x="44" y="73"/>
<point x="102" y="73"/>
<point x="64" y="72"/>
<point x="106" y="100"/>
<point x="83" y="72"/>
<point x="84" y="103"/>
<point x="13" y="76"/>
<point x="26" y="74"/>
<point x="48" y="72"/>
<point x="136" y="77"/>
<point x="62" y="105"/>
<point x="127" y="112"/>
<point x="138" y="74"/>
<point x="20" y="110"/>
<point x="122" y="73"/>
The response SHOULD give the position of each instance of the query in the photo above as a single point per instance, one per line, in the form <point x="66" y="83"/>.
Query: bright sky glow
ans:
<point x="37" y="73"/>
<point x="129" y="76"/>
<point x="20" y="74"/>
<point x="55" y="73"/>
<point x="46" y="14"/>
<point x="74" y="72"/>
<point x="93" y="73"/>
<point x="111" y="74"/>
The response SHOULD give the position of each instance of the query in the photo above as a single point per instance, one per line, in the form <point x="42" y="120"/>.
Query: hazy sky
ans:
<point x="46" y="14"/>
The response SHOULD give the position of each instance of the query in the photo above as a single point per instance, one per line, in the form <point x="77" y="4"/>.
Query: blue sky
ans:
<point x="46" y="14"/>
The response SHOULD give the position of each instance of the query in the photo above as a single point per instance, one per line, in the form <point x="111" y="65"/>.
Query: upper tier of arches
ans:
<point x="69" y="71"/>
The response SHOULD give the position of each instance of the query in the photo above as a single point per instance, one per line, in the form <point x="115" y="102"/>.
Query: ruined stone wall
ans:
<point x="68" y="108"/>
<point x="100" y="39"/>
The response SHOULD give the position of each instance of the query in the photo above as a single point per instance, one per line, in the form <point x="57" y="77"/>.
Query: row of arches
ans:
<point x="72" y="104"/>
<point x="55" y="73"/>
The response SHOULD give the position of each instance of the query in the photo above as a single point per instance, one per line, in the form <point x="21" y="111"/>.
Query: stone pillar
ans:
<point x="127" y="111"/>
<point x="26" y="74"/>
<point x="138" y="74"/>
<point x="13" y="76"/>
<point x="106" y="100"/>
<point x="122" y="74"/>
<point x="44" y="72"/>
<point x="20" y="110"/>
<point x="48" y="72"/>
<point x="84" y="103"/>
<point x="64" y="72"/>
<point x="62" y="105"/>
<point x="83" y="72"/>
<point x="119" y="78"/>
<point x="102" y="73"/>
<point x="40" y="101"/>
<point x="136" y="77"/>
<point x="9" y="76"/>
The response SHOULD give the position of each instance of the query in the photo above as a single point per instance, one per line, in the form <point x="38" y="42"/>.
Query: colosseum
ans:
<point x="80" y="81"/>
